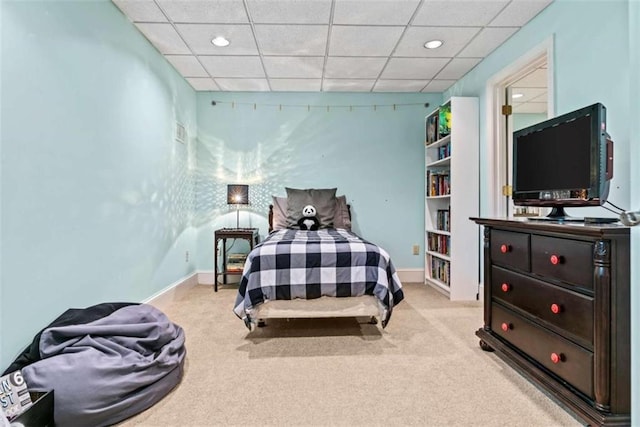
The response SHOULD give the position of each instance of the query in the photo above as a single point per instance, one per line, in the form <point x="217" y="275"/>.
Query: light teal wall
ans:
<point x="96" y="197"/>
<point x="596" y="45"/>
<point x="591" y="64"/>
<point x="373" y="154"/>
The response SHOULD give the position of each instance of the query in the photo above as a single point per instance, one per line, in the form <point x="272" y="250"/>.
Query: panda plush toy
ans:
<point x="309" y="221"/>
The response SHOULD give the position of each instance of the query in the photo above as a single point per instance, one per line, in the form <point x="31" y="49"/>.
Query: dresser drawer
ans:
<point x="511" y="249"/>
<point x="569" y="361"/>
<point x="570" y="311"/>
<point x="567" y="260"/>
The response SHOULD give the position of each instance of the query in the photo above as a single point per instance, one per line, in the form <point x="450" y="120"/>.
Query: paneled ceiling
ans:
<point x="327" y="45"/>
<point x="529" y="93"/>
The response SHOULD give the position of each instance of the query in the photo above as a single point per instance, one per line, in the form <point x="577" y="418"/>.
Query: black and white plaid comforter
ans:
<point x="292" y="264"/>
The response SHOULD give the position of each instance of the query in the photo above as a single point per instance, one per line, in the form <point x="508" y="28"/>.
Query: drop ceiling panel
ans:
<point x="243" y="85"/>
<point x="412" y="43"/>
<point x="519" y="12"/>
<point x="199" y="83"/>
<point x="528" y="94"/>
<point x="164" y="37"/>
<point x="199" y="36"/>
<point x="205" y="11"/>
<point x="363" y="40"/>
<point x="487" y="41"/>
<point x="233" y="66"/>
<point x="350" y="68"/>
<point x="374" y="12"/>
<point x="285" y="39"/>
<point x="400" y="85"/>
<point x="295" y="85"/>
<point x="413" y="68"/>
<point x="141" y="10"/>
<point x="457" y="13"/>
<point x="457" y="68"/>
<point x="187" y="65"/>
<point x="530" y="107"/>
<point x="289" y="11"/>
<point x="438" y="85"/>
<point x="355" y="44"/>
<point x="346" y="85"/>
<point x="293" y="66"/>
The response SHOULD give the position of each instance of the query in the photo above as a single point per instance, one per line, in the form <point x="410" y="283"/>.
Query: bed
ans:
<point x="329" y="272"/>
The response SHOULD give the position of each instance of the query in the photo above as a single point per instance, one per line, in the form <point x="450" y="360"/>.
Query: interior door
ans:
<point x="525" y="100"/>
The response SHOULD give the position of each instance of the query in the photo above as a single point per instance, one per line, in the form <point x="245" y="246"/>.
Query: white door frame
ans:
<point x="496" y="138"/>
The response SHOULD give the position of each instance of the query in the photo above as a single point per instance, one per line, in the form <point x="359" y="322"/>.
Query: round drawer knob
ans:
<point x="555" y="259"/>
<point x="556" y="358"/>
<point x="505" y="326"/>
<point x="555" y="308"/>
<point x="505" y="248"/>
<point x="505" y="287"/>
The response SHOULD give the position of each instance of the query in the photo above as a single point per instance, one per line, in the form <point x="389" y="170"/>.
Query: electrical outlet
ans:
<point x="186" y="256"/>
<point x="416" y="249"/>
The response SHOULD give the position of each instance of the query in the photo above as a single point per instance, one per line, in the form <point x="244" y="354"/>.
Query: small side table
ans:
<point x="250" y="234"/>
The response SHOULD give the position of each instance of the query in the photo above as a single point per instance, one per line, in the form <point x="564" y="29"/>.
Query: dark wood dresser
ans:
<point x="557" y="309"/>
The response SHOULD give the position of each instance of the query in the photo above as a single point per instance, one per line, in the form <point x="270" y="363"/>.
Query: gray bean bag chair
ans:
<point x="105" y="365"/>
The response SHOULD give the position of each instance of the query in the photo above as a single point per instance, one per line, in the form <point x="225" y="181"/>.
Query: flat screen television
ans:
<point x="563" y="162"/>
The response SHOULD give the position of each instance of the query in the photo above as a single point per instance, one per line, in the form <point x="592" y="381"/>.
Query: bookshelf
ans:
<point x="451" y="198"/>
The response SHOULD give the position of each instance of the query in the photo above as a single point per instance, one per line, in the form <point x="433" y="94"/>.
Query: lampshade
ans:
<point x="237" y="194"/>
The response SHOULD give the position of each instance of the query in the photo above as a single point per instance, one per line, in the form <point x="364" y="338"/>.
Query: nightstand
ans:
<point x="249" y="234"/>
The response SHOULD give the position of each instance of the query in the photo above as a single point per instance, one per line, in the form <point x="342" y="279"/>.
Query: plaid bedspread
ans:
<point x="292" y="264"/>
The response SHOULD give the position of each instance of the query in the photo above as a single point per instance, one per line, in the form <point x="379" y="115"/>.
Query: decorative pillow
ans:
<point x="279" y="213"/>
<point x="341" y="218"/>
<point x="323" y="199"/>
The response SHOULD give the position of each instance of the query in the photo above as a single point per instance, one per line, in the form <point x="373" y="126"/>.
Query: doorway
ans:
<point x="518" y="96"/>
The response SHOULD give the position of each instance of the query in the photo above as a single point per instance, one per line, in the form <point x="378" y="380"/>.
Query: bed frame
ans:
<point x="366" y="306"/>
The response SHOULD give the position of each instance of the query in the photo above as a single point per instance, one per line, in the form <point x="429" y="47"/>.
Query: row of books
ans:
<point x="235" y="262"/>
<point x="443" y="219"/>
<point x="438" y="125"/>
<point x="444" y="151"/>
<point x="439" y="243"/>
<point x="438" y="183"/>
<point x="440" y="270"/>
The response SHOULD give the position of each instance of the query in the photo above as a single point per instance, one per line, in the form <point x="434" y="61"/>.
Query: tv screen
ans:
<point x="563" y="162"/>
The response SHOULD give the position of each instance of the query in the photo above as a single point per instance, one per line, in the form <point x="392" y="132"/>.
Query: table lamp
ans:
<point x="237" y="195"/>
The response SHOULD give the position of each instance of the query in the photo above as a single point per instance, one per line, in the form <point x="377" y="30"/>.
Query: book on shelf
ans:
<point x="432" y="129"/>
<point x="444" y="151"/>
<point x="440" y="270"/>
<point x="444" y="120"/>
<point x="438" y="183"/>
<point x="442" y="219"/>
<point x="235" y="262"/>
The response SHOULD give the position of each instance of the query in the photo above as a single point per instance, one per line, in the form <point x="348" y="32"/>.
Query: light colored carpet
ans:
<point x="425" y="369"/>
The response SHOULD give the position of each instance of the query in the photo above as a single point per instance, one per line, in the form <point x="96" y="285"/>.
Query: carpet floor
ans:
<point x="424" y="369"/>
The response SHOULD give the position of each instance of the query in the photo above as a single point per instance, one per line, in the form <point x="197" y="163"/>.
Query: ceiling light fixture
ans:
<point x="517" y="95"/>
<point x="220" y="41"/>
<point x="433" y="44"/>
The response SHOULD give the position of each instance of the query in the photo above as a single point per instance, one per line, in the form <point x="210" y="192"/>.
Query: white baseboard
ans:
<point x="205" y="277"/>
<point x="411" y="275"/>
<point x="169" y="294"/>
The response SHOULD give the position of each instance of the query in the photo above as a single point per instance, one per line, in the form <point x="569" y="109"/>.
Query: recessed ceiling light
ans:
<point x="517" y="95"/>
<point x="220" y="41"/>
<point x="433" y="44"/>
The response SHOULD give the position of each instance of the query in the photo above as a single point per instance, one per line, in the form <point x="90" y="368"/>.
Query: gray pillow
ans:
<point x="323" y="199"/>
<point x="341" y="218"/>
<point x="279" y="220"/>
